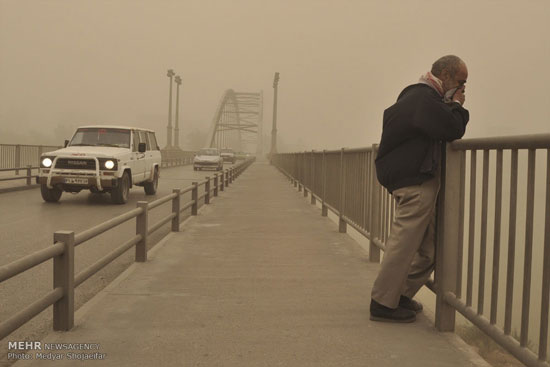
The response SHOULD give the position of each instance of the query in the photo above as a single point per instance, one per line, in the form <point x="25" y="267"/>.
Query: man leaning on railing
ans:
<point x="407" y="164"/>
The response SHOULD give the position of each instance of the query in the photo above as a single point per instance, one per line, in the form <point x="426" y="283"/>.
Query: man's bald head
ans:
<point x="451" y="63"/>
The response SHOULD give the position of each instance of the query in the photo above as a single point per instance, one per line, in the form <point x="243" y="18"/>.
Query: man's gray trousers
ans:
<point x="410" y="250"/>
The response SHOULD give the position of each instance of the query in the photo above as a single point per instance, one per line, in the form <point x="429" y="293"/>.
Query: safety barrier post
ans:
<point x="215" y="184"/>
<point x="375" y="213"/>
<point x="142" y="225"/>
<point x="29" y="173"/>
<point x="222" y="180"/>
<point x="313" y="200"/>
<point x="195" y="198"/>
<point x="324" y="208"/>
<point x="207" y="190"/>
<point x="176" y="210"/>
<point x="17" y="158"/>
<point x="63" y="277"/>
<point x="447" y="246"/>
<point x="342" y="225"/>
<point x="227" y="182"/>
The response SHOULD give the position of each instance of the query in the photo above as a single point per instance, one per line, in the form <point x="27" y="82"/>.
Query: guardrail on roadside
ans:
<point x="21" y="155"/>
<point x="345" y="182"/>
<point x="62" y="251"/>
<point x="28" y="176"/>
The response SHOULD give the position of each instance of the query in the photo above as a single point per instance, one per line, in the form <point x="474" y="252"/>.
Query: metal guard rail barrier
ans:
<point x="62" y="251"/>
<point x="345" y="183"/>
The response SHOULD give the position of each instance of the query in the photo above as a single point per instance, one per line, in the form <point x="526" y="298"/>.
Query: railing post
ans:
<point x="176" y="210"/>
<point x="227" y="178"/>
<point x="29" y="173"/>
<point x="374" y="251"/>
<point x="447" y="245"/>
<point x="304" y="170"/>
<point x="207" y="190"/>
<point x="324" y="208"/>
<point x="313" y="200"/>
<point x="195" y="198"/>
<point x="17" y="158"/>
<point x="215" y="184"/>
<point x="63" y="277"/>
<point x="222" y="180"/>
<point x="231" y="171"/>
<point x="342" y="225"/>
<point x="142" y="225"/>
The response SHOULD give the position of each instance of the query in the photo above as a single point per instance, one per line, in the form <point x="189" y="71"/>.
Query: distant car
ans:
<point x="240" y="156"/>
<point x="228" y="155"/>
<point x="102" y="159"/>
<point x="208" y="158"/>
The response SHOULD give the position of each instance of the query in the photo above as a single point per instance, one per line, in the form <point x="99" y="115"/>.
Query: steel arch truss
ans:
<point x="237" y="123"/>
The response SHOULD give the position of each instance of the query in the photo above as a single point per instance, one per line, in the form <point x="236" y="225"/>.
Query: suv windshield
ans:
<point x="101" y="137"/>
<point x="208" y="152"/>
<point x="227" y="150"/>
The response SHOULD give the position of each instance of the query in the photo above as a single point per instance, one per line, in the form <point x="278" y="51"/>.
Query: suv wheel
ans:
<point x="50" y="195"/>
<point x="119" y="194"/>
<point x="151" y="187"/>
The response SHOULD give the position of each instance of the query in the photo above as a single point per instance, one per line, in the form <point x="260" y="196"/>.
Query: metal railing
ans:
<point x="174" y="157"/>
<point x="28" y="176"/>
<point x="62" y="251"/>
<point x="19" y="155"/>
<point x="345" y="182"/>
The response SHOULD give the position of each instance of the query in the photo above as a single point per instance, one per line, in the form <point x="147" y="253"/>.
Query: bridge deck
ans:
<point x="259" y="278"/>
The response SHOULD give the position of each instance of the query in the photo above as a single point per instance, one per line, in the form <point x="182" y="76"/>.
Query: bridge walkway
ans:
<point x="258" y="278"/>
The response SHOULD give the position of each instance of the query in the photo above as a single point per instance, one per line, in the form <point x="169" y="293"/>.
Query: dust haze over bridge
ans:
<point x="66" y="64"/>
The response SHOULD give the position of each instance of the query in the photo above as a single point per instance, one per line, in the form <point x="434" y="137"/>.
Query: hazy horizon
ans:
<point x="65" y="63"/>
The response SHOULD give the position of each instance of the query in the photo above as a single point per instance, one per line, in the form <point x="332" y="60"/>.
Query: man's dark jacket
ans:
<point x="413" y="128"/>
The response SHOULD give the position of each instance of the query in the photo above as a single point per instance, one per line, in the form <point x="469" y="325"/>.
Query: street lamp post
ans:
<point x="274" y="129"/>
<point x="177" y="129"/>
<point x="170" y="74"/>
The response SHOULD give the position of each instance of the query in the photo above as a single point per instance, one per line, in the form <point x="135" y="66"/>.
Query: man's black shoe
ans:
<point x="382" y="313"/>
<point x="410" y="304"/>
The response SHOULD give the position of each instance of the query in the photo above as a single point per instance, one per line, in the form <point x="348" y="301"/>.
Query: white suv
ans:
<point x="102" y="159"/>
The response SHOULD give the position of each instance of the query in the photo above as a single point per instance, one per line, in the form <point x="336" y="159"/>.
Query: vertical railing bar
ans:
<point x="511" y="243"/>
<point x="364" y="189"/>
<point x="462" y="194"/>
<point x="471" y="228"/>
<point x="383" y="221"/>
<point x="392" y="212"/>
<point x="367" y="194"/>
<point x="528" y="248"/>
<point x="483" y="242"/>
<point x="496" y="236"/>
<point x="543" y="338"/>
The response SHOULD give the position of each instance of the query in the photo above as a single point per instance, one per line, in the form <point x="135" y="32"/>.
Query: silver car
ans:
<point x="208" y="158"/>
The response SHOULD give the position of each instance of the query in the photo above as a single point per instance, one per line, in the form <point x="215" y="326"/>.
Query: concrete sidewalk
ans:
<point x="258" y="278"/>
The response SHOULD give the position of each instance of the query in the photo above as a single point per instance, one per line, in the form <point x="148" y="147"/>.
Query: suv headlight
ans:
<point x="46" y="162"/>
<point x="108" y="164"/>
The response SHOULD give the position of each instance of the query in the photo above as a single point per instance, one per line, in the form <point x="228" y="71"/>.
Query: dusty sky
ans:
<point x="64" y="63"/>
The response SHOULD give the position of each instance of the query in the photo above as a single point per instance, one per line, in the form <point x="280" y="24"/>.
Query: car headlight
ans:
<point x="109" y="164"/>
<point x="46" y="162"/>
